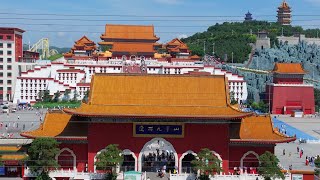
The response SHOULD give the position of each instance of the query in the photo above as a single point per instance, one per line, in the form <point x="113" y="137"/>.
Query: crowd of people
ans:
<point x="159" y="160"/>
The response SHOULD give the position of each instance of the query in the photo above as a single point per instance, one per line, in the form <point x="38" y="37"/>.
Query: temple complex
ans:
<point x="83" y="47"/>
<point x="288" y="93"/>
<point x="284" y="13"/>
<point x="164" y="120"/>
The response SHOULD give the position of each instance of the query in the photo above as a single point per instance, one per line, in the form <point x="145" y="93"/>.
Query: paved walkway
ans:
<point x="290" y="130"/>
<point x="24" y="120"/>
<point x="294" y="159"/>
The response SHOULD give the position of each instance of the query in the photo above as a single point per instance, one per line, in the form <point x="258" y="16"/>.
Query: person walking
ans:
<point x="18" y="117"/>
<point x="284" y="152"/>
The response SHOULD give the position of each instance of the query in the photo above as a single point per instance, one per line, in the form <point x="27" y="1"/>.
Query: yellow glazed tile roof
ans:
<point x="260" y="128"/>
<point x="288" y="68"/>
<point x="13" y="156"/>
<point x="54" y="124"/>
<point x="114" y="31"/>
<point x="10" y="148"/>
<point x="158" y="95"/>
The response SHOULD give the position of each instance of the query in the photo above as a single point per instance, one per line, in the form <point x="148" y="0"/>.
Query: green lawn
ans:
<point x="57" y="104"/>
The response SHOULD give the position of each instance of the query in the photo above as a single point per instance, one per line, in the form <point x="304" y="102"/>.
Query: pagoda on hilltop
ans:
<point x="288" y="93"/>
<point x="157" y="120"/>
<point x="82" y="48"/>
<point x="129" y="41"/>
<point x="284" y="13"/>
<point x="248" y="17"/>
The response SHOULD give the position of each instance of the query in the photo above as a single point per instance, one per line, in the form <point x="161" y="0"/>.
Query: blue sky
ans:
<point x="63" y="33"/>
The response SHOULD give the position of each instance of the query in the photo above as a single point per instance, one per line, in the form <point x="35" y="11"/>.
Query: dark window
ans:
<point x="9" y="81"/>
<point x="1" y="59"/>
<point x="1" y="45"/>
<point x="1" y="88"/>
<point x="9" y="45"/>
<point x="1" y="37"/>
<point x="8" y="37"/>
<point x="9" y="88"/>
<point x="9" y="74"/>
<point x="9" y="67"/>
<point x="1" y="66"/>
<point x="9" y="52"/>
<point x="1" y="74"/>
<point x="9" y="60"/>
<point x="1" y="52"/>
<point x="1" y="81"/>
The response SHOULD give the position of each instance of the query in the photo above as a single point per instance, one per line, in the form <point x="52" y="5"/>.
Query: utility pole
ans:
<point x="232" y="57"/>
<point x="212" y="49"/>
<point x="204" y="47"/>
<point x="281" y="31"/>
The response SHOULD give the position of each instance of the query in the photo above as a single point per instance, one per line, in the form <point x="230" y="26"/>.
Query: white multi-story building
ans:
<point x="10" y="52"/>
<point x="76" y="75"/>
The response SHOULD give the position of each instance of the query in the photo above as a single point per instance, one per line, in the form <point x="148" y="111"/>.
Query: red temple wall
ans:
<point x="237" y="151"/>
<point x="81" y="152"/>
<point x="292" y="96"/>
<point x="288" y="80"/>
<point x="197" y="136"/>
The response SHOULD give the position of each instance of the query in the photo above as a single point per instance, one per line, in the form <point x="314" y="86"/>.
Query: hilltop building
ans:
<point x="74" y="71"/>
<point x="248" y="17"/>
<point x="151" y="122"/>
<point x="284" y="13"/>
<point x="288" y="93"/>
<point x="84" y="47"/>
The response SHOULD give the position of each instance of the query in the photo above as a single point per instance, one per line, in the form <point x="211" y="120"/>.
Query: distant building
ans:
<point x="84" y="47"/>
<point x="284" y="14"/>
<point x="297" y="38"/>
<point x="248" y="17"/>
<point x="288" y="93"/>
<point x="263" y="41"/>
<point x="10" y="53"/>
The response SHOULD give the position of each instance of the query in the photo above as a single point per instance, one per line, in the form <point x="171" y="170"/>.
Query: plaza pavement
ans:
<point x="27" y="118"/>
<point x="309" y="125"/>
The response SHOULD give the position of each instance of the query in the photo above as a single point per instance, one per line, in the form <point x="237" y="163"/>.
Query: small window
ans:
<point x="9" y="88"/>
<point x="1" y="66"/>
<point x="1" y="59"/>
<point x="9" y="74"/>
<point x="1" y="52"/>
<point x="9" y="52"/>
<point x="1" y="45"/>
<point x="9" y="60"/>
<point x="9" y="81"/>
<point x="1" y="81"/>
<point x="9" y="37"/>
<point x="1" y="88"/>
<point x="1" y="74"/>
<point x="9" y="67"/>
<point x="1" y="37"/>
<point x="8" y="45"/>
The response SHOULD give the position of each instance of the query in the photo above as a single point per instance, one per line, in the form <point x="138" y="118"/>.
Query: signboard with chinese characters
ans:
<point x="158" y="130"/>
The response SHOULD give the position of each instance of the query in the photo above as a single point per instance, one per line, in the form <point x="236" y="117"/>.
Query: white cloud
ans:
<point x="168" y="1"/>
<point x="182" y="36"/>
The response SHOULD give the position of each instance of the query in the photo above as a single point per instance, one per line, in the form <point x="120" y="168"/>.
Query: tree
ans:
<point x="40" y="95"/>
<point x="207" y="163"/>
<point x="86" y="96"/>
<point x="56" y="96"/>
<point x="66" y="95"/>
<point x="268" y="167"/>
<point x="109" y="159"/>
<point x="75" y="96"/>
<point x="233" y="101"/>
<point x="42" y="153"/>
<point x="46" y="96"/>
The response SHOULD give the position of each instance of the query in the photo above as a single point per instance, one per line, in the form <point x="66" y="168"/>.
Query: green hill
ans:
<point x="236" y="36"/>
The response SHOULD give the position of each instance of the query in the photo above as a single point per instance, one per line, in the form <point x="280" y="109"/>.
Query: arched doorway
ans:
<point x="249" y="159"/>
<point x="66" y="159"/>
<point x="129" y="162"/>
<point x="185" y="162"/>
<point x="156" y="154"/>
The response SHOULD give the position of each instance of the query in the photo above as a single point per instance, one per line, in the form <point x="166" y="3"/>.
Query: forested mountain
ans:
<point x="235" y="37"/>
